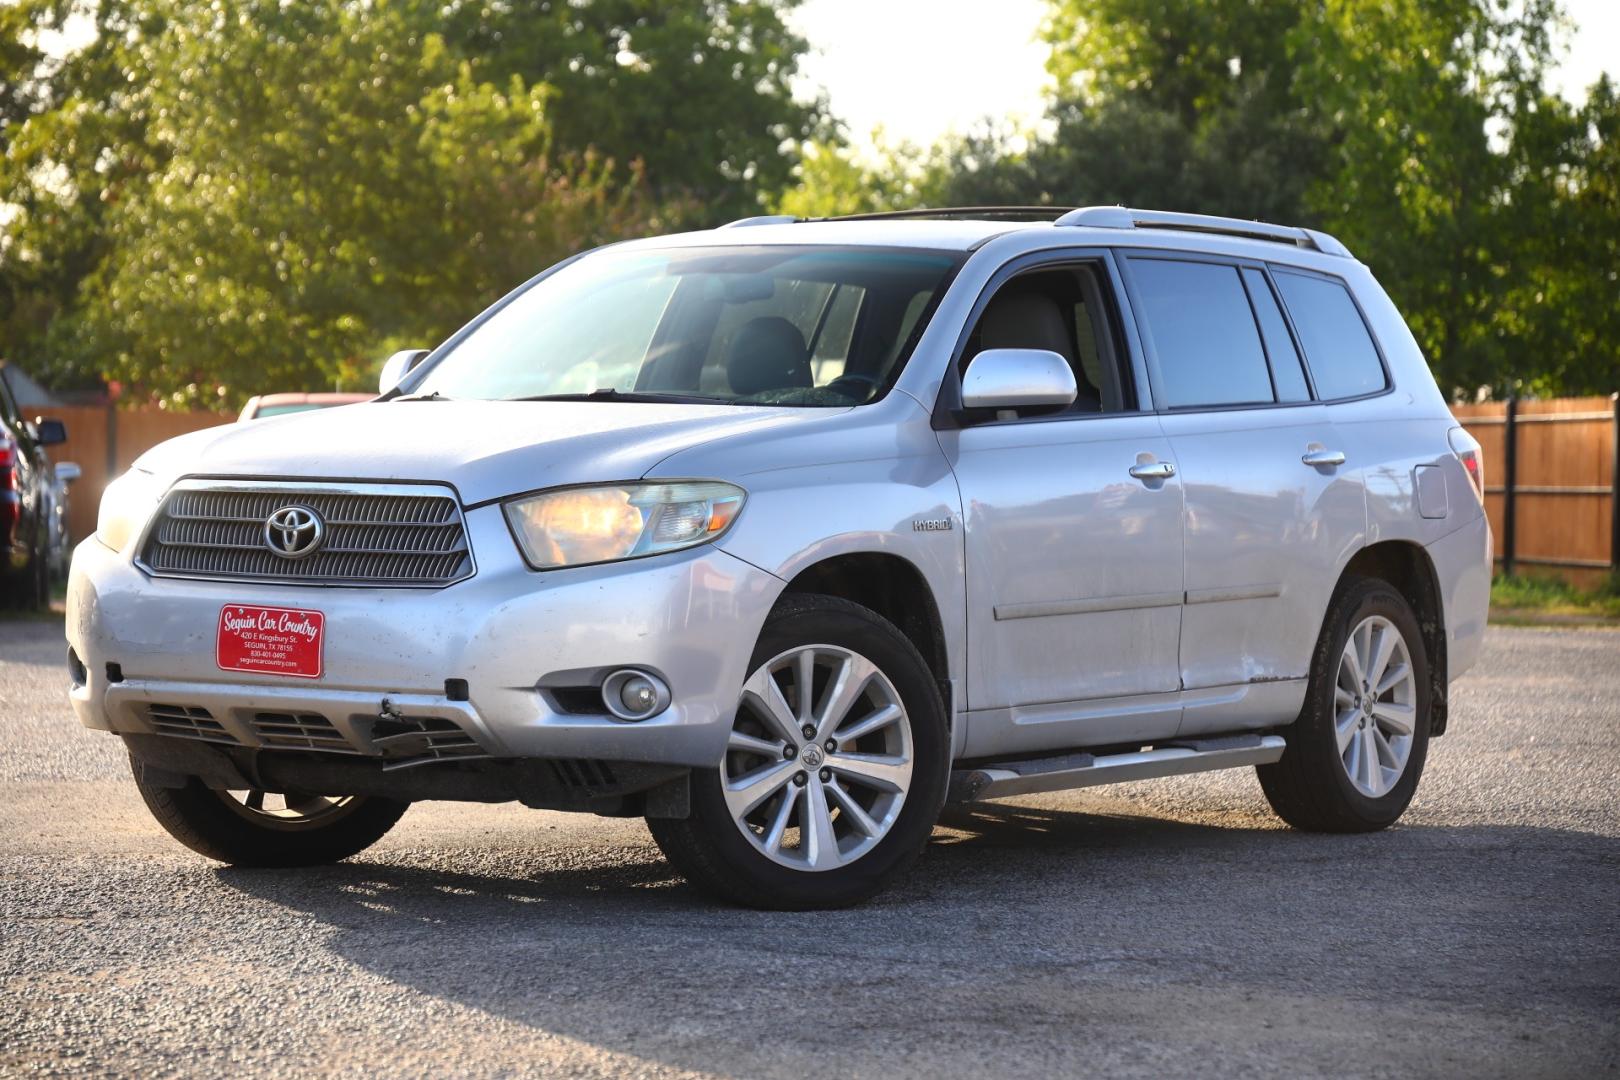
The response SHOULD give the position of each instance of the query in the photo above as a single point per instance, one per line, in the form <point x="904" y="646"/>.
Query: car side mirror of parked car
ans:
<point x="1012" y="379"/>
<point x="396" y="367"/>
<point x="49" y="432"/>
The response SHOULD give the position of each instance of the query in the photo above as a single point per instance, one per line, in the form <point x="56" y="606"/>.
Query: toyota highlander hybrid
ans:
<point x="784" y="534"/>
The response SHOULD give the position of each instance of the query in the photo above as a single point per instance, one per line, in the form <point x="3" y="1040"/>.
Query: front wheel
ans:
<point x="258" y="828"/>
<point x="1355" y="753"/>
<point x="834" y="772"/>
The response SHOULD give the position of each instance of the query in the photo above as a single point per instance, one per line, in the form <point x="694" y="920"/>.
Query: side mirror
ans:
<point x="396" y="367"/>
<point x="49" y="432"/>
<point x="67" y="472"/>
<point x="1018" y="379"/>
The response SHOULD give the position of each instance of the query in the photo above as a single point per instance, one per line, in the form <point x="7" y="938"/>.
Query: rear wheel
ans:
<point x="1357" y="750"/>
<point x="259" y="828"/>
<point x="834" y="772"/>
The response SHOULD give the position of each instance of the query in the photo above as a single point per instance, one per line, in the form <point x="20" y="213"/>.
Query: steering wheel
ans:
<point x="841" y="385"/>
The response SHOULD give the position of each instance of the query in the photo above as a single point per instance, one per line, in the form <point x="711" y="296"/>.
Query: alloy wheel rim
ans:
<point x="1375" y="706"/>
<point x="288" y="812"/>
<point x="819" y="760"/>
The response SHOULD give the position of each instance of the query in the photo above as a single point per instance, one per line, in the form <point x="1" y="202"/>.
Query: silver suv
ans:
<point x="783" y="535"/>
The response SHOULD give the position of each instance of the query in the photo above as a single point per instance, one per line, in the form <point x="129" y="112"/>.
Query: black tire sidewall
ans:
<point x="196" y="816"/>
<point x="864" y="632"/>
<point x="1316" y="737"/>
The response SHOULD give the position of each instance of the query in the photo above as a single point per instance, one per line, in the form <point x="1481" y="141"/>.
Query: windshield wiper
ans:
<point x="608" y="393"/>
<point x="432" y="395"/>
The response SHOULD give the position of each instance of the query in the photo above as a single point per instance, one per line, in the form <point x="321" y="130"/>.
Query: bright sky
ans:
<point x="920" y="68"/>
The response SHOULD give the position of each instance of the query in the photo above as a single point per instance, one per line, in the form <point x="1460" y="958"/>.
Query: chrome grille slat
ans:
<point x="379" y="537"/>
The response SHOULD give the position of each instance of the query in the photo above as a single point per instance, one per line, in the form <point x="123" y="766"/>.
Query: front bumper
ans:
<point x="511" y="634"/>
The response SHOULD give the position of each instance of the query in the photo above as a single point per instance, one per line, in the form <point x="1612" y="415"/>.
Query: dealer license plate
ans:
<point x="270" y="640"/>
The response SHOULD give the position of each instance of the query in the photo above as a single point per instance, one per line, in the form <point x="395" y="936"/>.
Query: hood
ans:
<point x="484" y="449"/>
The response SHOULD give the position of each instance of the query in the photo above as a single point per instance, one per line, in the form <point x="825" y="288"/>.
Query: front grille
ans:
<point x="383" y="538"/>
<point x="299" y="731"/>
<point x="188" y="722"/>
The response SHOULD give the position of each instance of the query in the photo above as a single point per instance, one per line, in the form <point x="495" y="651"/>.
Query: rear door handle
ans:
<point x="1153" y="470"/>
<point x="1319" y="457"/>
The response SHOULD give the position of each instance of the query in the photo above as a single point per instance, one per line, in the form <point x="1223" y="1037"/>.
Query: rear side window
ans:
<point x="1344" y="362"/>
<point x="1286" y="371"/>
<point x="1203" y="333"/>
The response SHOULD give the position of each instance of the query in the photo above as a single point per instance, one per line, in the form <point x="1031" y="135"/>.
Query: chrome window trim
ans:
<point x="295" y="487"/>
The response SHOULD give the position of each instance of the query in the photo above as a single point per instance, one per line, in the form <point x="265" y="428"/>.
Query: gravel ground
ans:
<point x="1151" y="929"/>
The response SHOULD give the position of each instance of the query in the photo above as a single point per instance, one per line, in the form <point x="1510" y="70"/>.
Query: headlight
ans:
<point x="575" y="526"/>
<point x="125" y="507"/>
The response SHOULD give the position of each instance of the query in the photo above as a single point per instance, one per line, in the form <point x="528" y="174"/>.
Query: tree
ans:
<point x="338" y="184"/>
<point x="254" y="193"/>
<point x="1419" y="131"/>
<point x="699" y="91"/>
<point x="1562" y="313"/>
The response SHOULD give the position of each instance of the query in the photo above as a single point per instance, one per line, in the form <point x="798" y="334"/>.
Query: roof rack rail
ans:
<point x="1121" y="217"/>
<point x="761" y="219"/>
<point x="1037" y="213"/>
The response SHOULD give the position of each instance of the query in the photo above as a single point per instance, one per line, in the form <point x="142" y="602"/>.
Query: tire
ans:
<point x="1337" y="773"/>
<point x="212" y="823"/>
<point x="730" y="859"/>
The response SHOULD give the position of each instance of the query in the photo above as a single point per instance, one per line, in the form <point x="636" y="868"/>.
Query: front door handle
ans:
<point x="1153" y="470"/>
<point x="1318" y="456"/>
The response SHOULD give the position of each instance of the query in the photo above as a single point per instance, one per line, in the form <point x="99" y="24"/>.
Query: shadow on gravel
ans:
<point x="1015" y="920"/>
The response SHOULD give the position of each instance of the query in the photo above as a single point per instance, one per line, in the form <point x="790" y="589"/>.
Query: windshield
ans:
<point x="799" y="326"/>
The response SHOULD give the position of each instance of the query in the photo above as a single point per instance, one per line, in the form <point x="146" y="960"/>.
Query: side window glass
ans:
<point x="1286" y="372"/>
<point x="1203" y="332"/>
<point x="829" y="346"/>
<point x="1344" y="362"/>
<point x="1058" y="310"/>
<point x="8" y="410"/>
<point x="1091" y="361"/>
<point x="908" y="322"/>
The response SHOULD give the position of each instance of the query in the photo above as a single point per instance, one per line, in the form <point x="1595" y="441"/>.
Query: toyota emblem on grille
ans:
<point x="294" y="532"/>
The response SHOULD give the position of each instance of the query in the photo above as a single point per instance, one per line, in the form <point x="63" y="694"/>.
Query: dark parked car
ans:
<point x="25" y="481"/>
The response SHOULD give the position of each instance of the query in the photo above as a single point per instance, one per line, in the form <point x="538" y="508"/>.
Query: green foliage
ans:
<point x="699" y="91"/>
<point x="831" y="180"/>
<point x="1554" y="596"/>
<point x="213" y="200"/>
<point x="217" y="198"/>
<point x="1421" y="132"/>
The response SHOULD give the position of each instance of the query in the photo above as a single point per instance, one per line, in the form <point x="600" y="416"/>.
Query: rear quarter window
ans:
<point x="1338" y="347"/>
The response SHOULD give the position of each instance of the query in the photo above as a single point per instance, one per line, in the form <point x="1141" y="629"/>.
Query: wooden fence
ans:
<point x="103" y="440"/>
<point x="1552" y="482"/>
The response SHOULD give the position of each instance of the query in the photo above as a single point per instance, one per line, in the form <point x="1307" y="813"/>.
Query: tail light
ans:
<point x="8" y="464"/>
<point x="10" y="510"/>
<point x="1466" y="447"/>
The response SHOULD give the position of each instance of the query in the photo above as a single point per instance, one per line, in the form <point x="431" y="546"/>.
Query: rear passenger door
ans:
<point x="1272" y="506"/>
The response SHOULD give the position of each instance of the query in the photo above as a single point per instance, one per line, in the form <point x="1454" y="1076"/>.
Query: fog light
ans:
<point x="634" y="695"/>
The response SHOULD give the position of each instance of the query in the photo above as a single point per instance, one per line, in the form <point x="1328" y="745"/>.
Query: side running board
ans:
<point x="1008" y="778"/>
